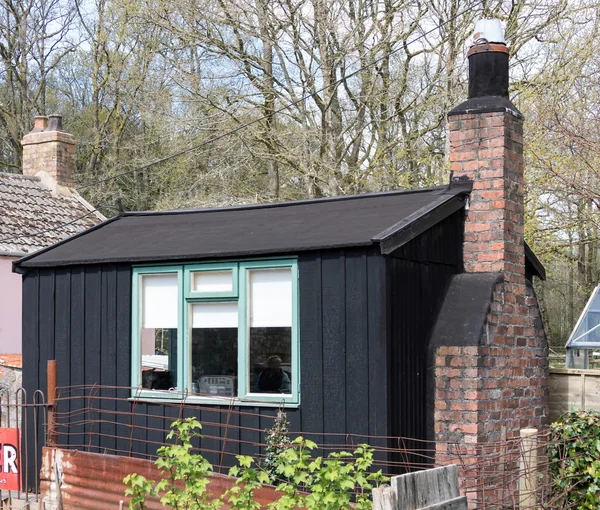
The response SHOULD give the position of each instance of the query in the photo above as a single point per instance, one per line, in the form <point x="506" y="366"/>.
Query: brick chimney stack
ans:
<point x="47" y="148"/>
<point x="486" y="145"/>
<point x="490" y="383"/>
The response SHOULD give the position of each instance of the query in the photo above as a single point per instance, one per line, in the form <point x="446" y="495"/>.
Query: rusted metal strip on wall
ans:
<point x="77" y="479"/>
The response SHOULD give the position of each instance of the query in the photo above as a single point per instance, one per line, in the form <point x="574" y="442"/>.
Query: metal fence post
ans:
<point x="52" y="432"/>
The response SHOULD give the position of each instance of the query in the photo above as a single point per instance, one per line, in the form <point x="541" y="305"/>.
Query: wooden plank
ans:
<point x="569" y="391"/>
<point x="425" y="488"/>
<point x="77" y="365"/>
<point x="62" y="340"/>
<point x="108" y="347"/>
<point x="459" y="503"/>
<point x="357" y="345"/>
<point x="574" y="371"/>
<point x="211" y="433"/>
<point x="378" y="348"/>
<point x="93" y="354"/>
<point x="384" y="498"/>
<point x="230" y="432"/>
<point x="92" y="324"/>
<point x="30" y="344"/>
<point x="592" y="393"/>
<point x="46" y="322"/>
<point x="311" y="345"/>
<point x="334" y="345"/>
<point x="249" y="438"/>
<point x="123" y="354"/>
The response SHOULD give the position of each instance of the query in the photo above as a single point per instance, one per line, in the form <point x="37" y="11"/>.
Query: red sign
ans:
<point x="10" y="460"/>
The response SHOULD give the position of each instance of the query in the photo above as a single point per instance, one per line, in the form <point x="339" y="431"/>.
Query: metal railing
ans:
<point x="27" y="415"/>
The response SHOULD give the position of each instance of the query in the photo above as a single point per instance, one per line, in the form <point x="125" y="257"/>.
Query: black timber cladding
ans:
<point x="81" y="316"/>
<point x="418" y="275"/>
<point x="286" y="227"/>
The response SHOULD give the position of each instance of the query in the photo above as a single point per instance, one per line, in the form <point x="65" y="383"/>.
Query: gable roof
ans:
<point x="285" y="227"/>
<point x="30" y="212"/>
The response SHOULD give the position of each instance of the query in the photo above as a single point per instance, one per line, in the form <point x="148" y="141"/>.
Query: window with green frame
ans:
<point x="217" y="331"/>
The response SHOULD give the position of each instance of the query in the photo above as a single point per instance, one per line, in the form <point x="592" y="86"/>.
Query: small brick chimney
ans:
<point x="47" y="148"/>
<point x="486" y="146"/>
<point x="490" y="382"/>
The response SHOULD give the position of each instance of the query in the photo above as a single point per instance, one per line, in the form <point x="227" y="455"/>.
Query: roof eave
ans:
<point x="538" y="268"/>
<point x="449" y="201"/>
<point x="17" y="265"/>
<point x="12" y="253"/>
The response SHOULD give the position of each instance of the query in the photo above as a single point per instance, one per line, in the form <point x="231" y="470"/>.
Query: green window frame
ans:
<point x="187" y="296"/>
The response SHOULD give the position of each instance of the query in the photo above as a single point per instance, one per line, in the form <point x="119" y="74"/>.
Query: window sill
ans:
<point x="147" y="396"/>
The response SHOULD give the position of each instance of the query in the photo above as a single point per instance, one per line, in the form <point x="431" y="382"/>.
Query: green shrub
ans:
<point x="314" y="484"/>
<point x="184" y="475"/>
<point x="326" y="484"/>
<point x="574" y="458"/>
<point x="278" y="441"/>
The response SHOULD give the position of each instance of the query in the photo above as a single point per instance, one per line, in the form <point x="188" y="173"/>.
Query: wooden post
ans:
<point x="384" y="498"/>
<point x="583" y="391"/>
<point x="528" y="469"/>
<point x="432" y="489"/>
<point x="52" y="435"/>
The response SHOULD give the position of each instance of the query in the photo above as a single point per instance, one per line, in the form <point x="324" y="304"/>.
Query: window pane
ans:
<point x="212" y="281"/>
<point x="159" y="330"/>
<point x="214" y="349"/>
<point x="270" y="297"/>
<point x="270" y="332"/>
<point x="159" y="300"/>
<point x="159" y="358"/>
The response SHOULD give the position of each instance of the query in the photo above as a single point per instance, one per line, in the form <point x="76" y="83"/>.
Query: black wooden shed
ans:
<point x="337" y="297"/>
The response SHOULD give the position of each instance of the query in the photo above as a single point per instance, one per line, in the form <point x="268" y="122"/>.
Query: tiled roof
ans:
<point x="11" y="360"/>
<point x="29" y="211"/>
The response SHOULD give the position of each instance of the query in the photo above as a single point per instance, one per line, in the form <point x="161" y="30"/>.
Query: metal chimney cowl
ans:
<point x="488" y="61"/>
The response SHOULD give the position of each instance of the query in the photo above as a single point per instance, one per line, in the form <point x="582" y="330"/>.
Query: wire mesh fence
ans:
<point x="514" y="473"/>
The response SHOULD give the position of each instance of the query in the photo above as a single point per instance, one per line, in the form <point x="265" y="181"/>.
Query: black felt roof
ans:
<point x="284" y="227"/>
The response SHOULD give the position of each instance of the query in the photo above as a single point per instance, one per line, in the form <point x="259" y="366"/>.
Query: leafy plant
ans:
<point x="313" y="484"/>
<point x="278" y="441"/>
<point x="574" y="458"/>
<point x="241" y="497"/>
<point x="184" y="483"/>
<point x="325" y="484"/>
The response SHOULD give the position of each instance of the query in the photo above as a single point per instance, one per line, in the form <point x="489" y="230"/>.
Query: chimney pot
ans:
<point x="488" y="61"/>
<point x="49" y="150"/>
<point x="40" y="123"/>
<point x="55" y="122"/>
<point x="489" y="29"/>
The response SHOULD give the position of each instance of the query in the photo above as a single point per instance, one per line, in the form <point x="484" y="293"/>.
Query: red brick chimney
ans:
<point x="486" y="146"/>
<point x="50" y="150"/>
<point x="490" y="374"/>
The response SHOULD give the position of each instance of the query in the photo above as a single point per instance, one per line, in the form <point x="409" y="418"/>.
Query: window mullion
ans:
<point x="183" y="333"/>
<point x="242" y="334"/>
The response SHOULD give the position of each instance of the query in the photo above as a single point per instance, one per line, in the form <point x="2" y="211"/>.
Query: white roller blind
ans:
<point x="213" y="281"/>
<point x="270" y="297"/>
<point x="159" y="300"/>
<point x="215" y="315"/>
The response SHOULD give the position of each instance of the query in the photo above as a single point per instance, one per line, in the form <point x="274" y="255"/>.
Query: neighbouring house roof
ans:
<point x="11" y="360"/>
<point x="388" y="219"/>
<point x="30" y="211"/>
